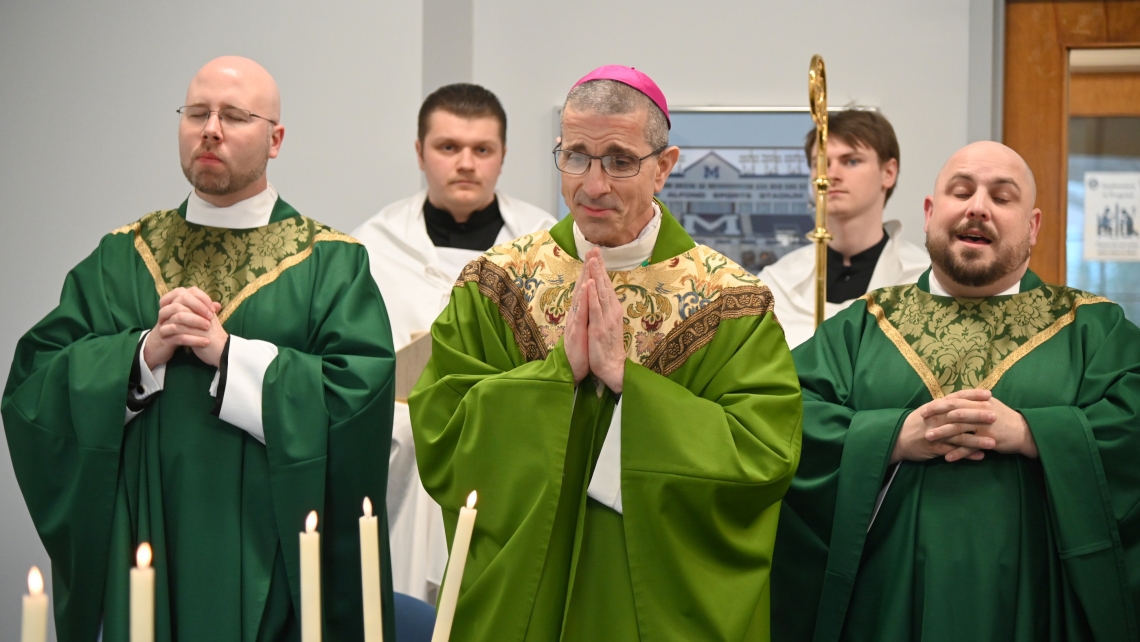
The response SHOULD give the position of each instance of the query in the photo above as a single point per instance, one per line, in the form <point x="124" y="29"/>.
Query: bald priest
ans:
<point x="621" y="398"/>
<point x="211" y="375"/>
<point x="970" y="444"/>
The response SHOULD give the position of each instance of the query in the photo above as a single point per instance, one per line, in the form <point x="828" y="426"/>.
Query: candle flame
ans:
<point x="311" y="522"/>
<point x="367" y="507"/>
<point x="471" y="500"/>
<point x="143" y="556"/>
<point x="35" y="581"/>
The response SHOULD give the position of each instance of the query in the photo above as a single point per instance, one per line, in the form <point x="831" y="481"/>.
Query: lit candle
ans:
<point x="142" y="596"/>
<point x="449" y="596"/>
<point x="311" y="581"/>
<point x="35" y="609"/>
<point x="370" y="574"/>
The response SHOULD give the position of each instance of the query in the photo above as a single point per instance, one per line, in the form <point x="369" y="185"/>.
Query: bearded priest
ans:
<point x="970" y="444"/>
<point x="212" y="374"/>
<point x="621" y="398"/>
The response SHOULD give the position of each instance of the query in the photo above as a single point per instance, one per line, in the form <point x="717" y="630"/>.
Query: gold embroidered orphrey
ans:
<point x="971" y="343"/>
<point x="228" y="265"/>
<point x="672" y="308"/>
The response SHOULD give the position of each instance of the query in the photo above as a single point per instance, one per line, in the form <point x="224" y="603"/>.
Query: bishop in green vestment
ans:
<point x="970" y="445"/>
<point x="211" y="375"/>
<point x="630" y="433"/>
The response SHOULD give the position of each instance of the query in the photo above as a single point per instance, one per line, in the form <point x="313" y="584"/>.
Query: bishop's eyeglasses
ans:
<point x="616" y="165"/>
<point x="231" y="116"/>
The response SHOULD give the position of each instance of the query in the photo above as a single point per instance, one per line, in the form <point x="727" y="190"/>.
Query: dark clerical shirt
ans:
<point x="478" y="233"/>
<point x="846" y="282"/>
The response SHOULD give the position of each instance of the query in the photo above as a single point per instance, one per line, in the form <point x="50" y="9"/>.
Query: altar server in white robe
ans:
<point x="865" y="253"/>
<point x="417" y="248"/>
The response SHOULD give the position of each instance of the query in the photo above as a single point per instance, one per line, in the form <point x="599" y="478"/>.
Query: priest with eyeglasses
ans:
<point x="622" y="399"/>
<point x="212" y="374"/>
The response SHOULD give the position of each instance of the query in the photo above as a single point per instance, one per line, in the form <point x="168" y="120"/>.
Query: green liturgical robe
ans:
<point x="709" y="441"/>
<point x="221" y="510"/>
<point x="1006" y="548"/>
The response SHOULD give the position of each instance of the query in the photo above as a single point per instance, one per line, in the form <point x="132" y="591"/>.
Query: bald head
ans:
<point x="999" y="162"/>
<point x="238" y="82"/>
<point x="981" y="224"/>
<point x="224" y="151"/>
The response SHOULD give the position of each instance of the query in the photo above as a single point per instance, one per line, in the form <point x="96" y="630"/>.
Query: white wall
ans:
<point x="87" y="93"/>
<point x="910" y="59"/>
<point x="88" y="142"/>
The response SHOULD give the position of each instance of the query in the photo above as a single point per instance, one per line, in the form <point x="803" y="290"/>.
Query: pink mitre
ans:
<point x="633" y="78"/>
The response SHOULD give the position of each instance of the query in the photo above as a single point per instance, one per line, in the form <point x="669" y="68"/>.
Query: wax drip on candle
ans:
<point x="143" y="556"/>
<point x="35" y="581"/>
<point x="471" y="500"/>
<point x="311" y="522"/>
<point x="367" y="507"/>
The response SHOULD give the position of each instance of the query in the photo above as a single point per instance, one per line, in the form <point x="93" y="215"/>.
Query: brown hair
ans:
<point x="466" y="101"/>
<point x="860" y="127"/>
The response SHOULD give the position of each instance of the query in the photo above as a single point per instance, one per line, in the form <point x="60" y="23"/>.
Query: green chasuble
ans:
<point x="1003" y="549"/>
<point x="710" y="438"/>
<point x="221" y="510"/>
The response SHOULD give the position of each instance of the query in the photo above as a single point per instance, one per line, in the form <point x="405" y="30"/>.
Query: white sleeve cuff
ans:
<point x="605" y="484"/>
<point x="245" y="373"/>
<point x="154" y="379"/>
<point x="150" y="381"/>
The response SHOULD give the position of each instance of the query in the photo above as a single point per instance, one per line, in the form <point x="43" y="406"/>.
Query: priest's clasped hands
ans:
<point x="186" y="317"/>
<point x="963" y="425"/>
<point x="594" y="337"/>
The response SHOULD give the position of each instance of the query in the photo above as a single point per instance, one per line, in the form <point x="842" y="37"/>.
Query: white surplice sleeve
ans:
<point x="605" y="484"/>
<point x="247" y="361"/>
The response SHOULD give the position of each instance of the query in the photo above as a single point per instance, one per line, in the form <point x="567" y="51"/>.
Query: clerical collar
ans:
<point x="937" y="290"/>
<point x="478" y="232"/>
<point x="846" y="282"/>
<point x="634" y="254"/>
<point x="252" y="212"/>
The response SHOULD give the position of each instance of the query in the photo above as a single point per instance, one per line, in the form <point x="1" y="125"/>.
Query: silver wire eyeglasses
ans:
<point x="616" y="165"/>
<point x="199" y="114"/>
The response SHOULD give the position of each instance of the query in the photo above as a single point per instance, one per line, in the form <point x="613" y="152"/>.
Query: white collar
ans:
<point x="937" y="290"/>
<point x="630" y="255"/>
<point x="252" y="212"/>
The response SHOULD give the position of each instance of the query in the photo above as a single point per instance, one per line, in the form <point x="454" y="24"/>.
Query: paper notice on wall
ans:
<point x="1112" y="226"/>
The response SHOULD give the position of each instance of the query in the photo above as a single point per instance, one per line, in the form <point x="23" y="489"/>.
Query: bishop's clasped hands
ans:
<point x="594" y="337"/>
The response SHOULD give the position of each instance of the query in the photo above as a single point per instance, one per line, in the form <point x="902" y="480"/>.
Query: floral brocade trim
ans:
<point x="971" y="343"/>
<point x="698" y="330"/>
<point x="495" y="284"/>
<point x="671" y="308"/>
<point x="228" y="265"/>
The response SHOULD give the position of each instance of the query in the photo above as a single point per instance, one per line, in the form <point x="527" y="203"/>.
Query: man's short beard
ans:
<point x="224" y="183"/>
<point x="970" y="272"/>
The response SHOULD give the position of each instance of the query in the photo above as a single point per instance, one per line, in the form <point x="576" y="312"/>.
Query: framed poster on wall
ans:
<point x="742" y="184"/>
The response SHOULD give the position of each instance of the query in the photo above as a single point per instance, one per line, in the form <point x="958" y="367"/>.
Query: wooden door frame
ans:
<point x="1035" y="99"/>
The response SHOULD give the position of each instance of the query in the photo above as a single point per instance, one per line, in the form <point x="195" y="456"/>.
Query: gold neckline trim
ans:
<point x="162" y="288"/>
<point x="922" y="369"/>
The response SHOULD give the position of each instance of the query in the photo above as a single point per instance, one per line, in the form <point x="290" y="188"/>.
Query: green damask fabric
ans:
<point x="226" y="264"/>
<point x="707" y="452"/>
<point x="964" y="342"/>
<point x="221" y="510"/>
<point x="1001" y="549"/>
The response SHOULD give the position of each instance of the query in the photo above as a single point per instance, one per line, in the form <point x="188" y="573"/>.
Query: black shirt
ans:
<point x="478" y="233"/>
<point x="846" y="282"/>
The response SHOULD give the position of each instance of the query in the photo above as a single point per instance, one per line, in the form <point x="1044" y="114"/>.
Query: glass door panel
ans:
<point x="1102" y="240"/>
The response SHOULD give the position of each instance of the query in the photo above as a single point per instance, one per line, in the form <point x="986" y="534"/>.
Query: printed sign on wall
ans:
<point x="1112" y="229"/>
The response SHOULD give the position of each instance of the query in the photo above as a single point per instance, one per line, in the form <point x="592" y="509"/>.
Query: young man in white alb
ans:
<point x="866" y="253"/>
